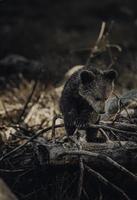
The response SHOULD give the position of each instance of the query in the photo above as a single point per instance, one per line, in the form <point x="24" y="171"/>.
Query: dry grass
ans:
<point x="39" y="112"/>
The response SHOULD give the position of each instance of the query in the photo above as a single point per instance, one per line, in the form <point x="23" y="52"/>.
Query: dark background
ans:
<point x="54" y="32"/>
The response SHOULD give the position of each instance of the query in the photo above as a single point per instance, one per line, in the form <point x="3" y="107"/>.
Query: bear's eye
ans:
<point x="98" y="99"/>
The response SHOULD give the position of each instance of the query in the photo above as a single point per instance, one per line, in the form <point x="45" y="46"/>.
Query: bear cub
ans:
<point x="83" y="99"/>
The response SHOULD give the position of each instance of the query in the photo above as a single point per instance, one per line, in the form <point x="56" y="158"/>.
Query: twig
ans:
<point x="95" y="48"/>
<point x="31" y="139"/>
<point x="28" y="101"/>
<point x="120" y="124"/>
<point x="40" y="132"/>
<point x="85" y="194"/>
<point x="118" y="166"/>
<point x="81" y="165"/>
<point x="101" y="33"/>
<point x="11" y="170"/>
<point x="121" y="104"/>
<point x="113" y="129"/>
<point x="114" y="46"/>
<point x="54" y="124"/>
<point x="119" y="109"/>
<point x="68" y="187"/>
<point x="100" y="194"/>
<point x="105" y="134"/>
<point x="106" y="182"/>
<point x="117" y="137"/>
<point x="96" y="126"/>
<point x="103" y="157"/>
<point x="6" y="112"/>
<point x="80" y="183"/>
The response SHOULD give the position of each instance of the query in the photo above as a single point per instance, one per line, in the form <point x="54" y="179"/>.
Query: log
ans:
<point x="122" y="152"/>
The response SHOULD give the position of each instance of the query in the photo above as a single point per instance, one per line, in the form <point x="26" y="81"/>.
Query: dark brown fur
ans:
<point x="83" y="98"/>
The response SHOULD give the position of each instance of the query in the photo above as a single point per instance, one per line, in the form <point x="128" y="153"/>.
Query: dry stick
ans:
<point x="115" y="46"/>
<point x="120" y="103"/>
<point x="121" y="125"/>
<point x="81" y="165"/>
<point x="106" y="127"/>
<point x="113" y="129"/>
<point x="92" y="126"/>
<point x="126" y="125"/>
<point x="102" y="30"/>
<point x="100" y="193"/>
<point x="40" y="132"/>
<point x="117" y="137"/>
<point x="6" y="112"/>
<point x="94" y="49"/>
<point x="86" y="194"/>
<point x="54" y="124"/>
<point x="109" y="46"/>
<point x="11" y="170"/>
<point x="80" y="185"/>
<point x="31" y="139"/>
<point x="28" y="101"/>
<point x="105" y="134"/>
<point x="17" y="126"/>
<point x="106" y="182"/>
<point x="119" y="109"/>
<point x="68" y="187"/>
<point x="103" y="157"/>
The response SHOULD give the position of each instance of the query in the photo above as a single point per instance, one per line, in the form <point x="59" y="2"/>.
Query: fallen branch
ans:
<point x="107" y="183"/>
<point x="104" y="157"/>
<point x="30" y="140"/>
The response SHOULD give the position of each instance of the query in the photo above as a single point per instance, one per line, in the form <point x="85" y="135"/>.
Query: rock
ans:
<point x="5" y="192"/>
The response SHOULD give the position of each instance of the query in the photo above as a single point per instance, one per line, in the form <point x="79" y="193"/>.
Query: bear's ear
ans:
<point x="110" y="75"/>
<point x="86" y="76"/>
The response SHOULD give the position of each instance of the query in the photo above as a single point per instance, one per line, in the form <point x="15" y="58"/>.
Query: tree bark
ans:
<point x="122" y="152"/>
